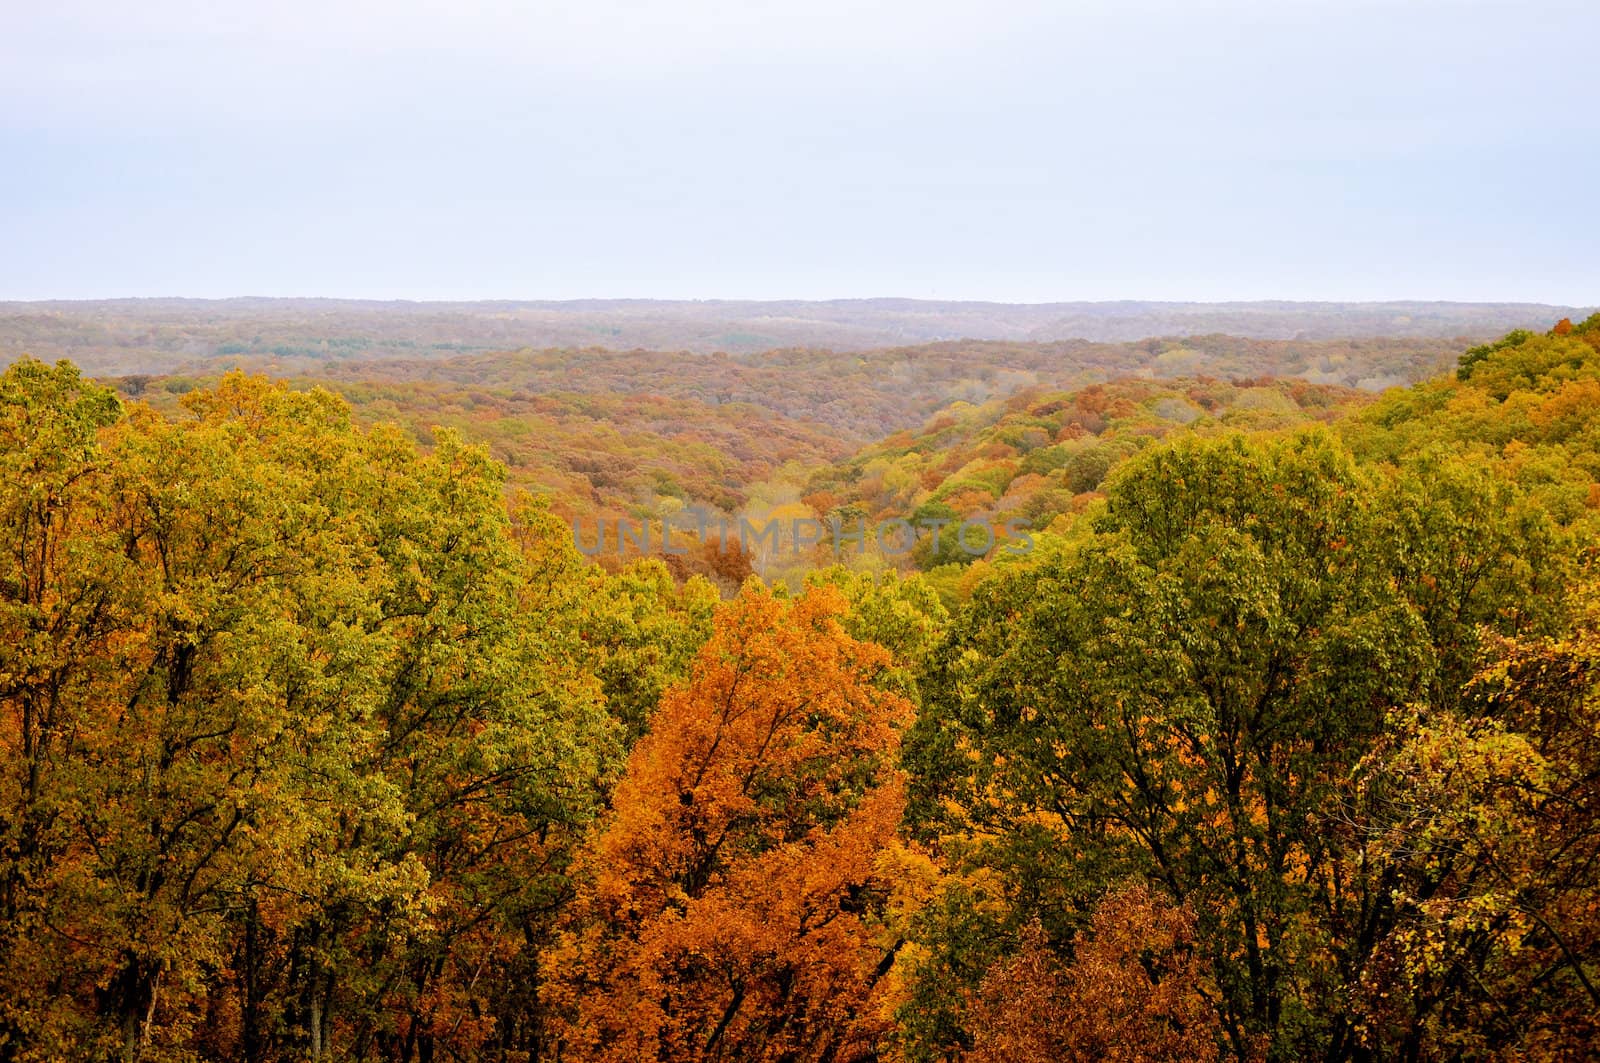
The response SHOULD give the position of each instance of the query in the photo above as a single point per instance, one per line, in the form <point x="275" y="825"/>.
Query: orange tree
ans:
<point x="731" y="898"/>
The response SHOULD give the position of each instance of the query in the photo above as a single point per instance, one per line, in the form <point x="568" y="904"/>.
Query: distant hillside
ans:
<point x="160" y="335"/>
<point x="643" y="432"/>
<point x="1041" y="453"/>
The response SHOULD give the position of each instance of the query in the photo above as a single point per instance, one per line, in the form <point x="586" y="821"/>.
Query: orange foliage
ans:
<point x="1133" y="993"/>
<point x="727" y="910"/>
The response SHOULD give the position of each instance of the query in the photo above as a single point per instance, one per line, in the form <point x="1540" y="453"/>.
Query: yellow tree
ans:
<point x="1483" y="831"/>
<point x="293" y="747"/>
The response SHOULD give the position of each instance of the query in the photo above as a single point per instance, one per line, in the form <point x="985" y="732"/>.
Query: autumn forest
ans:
<point x="1264" y="725"/>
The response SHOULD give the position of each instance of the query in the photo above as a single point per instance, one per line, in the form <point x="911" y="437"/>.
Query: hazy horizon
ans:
<point x="757" y="301"/>
<point x="1023" y="153"/>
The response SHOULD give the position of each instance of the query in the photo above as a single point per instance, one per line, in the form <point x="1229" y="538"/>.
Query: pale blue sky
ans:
<point x="761" y="149"/>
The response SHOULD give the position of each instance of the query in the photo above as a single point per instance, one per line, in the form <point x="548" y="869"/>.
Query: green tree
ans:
<point x="295" y="750"/>
<point x="1180" y="695"/>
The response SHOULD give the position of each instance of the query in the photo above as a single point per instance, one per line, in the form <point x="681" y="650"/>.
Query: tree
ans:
<point x="729" y="906"/>
<point x="61" y="621"/>
<point x="1134" y="992"/>
<point x="1483" y="831"/>
<point x="1178" y="696"/>
<point x="292" y="756"/>
<point x="644" y="630"/>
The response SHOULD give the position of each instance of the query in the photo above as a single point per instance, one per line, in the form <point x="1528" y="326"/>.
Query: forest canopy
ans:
<point x="320" y="739"/>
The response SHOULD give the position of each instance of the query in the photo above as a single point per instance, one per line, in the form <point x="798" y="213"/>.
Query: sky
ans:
<point x="1009" y="151"/>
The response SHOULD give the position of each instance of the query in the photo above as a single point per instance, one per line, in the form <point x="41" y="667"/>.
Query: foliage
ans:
<point x="283" y="767"/>
<point x="320" y="738"/>
<point x="731" y="899"/>
<point x="1134" y="992"/>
